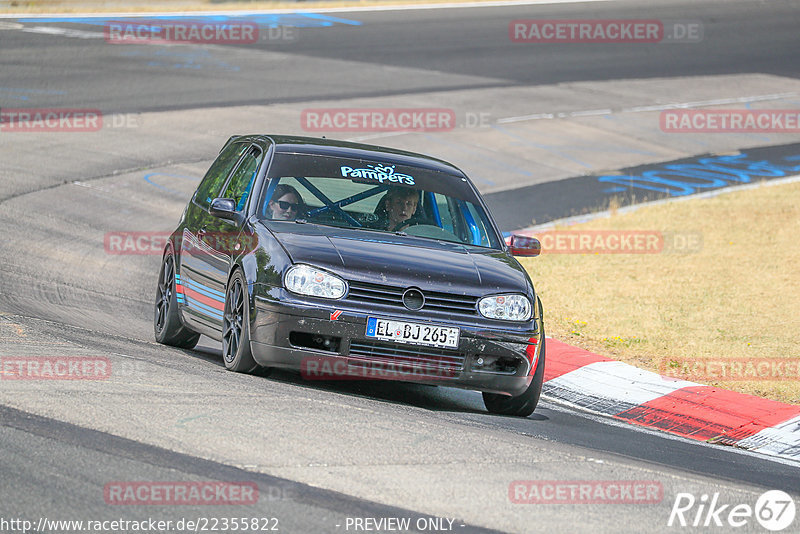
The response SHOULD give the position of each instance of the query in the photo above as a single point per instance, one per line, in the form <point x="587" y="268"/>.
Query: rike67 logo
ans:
<point x="774" y="510"/>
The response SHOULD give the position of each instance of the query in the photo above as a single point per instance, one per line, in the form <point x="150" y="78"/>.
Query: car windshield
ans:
<point x="370" y="195"/>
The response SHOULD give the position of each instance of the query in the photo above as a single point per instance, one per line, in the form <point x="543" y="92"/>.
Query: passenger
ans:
<point x="397" y="209"/>
<point x="286" y="203"/>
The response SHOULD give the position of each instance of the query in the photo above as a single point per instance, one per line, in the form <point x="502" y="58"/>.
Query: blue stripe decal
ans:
<point x="205" y="290"/>
<point x="196" y="284"/>
<point x="199" y="306"/>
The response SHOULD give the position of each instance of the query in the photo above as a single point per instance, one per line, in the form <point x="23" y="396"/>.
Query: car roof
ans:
<point x="286" y="144"/>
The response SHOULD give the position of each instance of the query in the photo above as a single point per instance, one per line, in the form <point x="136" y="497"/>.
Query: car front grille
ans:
<point x="426" y="361"/>
<point x="367" y="293"/>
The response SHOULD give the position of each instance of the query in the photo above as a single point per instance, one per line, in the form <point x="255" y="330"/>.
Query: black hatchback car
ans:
<point x="350" y="261"/>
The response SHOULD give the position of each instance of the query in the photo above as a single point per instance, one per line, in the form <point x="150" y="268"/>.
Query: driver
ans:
<point x="286" y="203"/>
<point x="397" y="208"/>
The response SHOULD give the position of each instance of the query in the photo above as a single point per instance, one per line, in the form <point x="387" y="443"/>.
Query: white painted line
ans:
<point x="658" y="107"/>
<point x="576" y="219"/>
<point x="716" y="102"/>
<point x="590" y="112"/>
<point x="65" y="32"/>
<point x="354" y="9"/>
<point x="536" y="116"/>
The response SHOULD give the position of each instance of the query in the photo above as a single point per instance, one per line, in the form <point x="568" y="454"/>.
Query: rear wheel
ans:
<point x="236" y="327"/>
<point x="524" y="404"/>
<point x="166" y="323"/>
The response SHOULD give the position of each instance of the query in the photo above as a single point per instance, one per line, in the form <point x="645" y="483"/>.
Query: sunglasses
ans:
<point x="287" y="205"/>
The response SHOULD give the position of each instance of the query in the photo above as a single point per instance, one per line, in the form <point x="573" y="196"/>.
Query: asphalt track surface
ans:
<point x="454" y="49"/>
<point x="319" y="453"/>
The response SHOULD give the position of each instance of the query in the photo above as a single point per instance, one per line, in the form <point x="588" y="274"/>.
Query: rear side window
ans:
<point x="218" y="173"/>
<point x="241" y="181"/>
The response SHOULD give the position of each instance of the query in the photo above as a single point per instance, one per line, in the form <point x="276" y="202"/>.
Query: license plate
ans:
<point x="416" y="333"/>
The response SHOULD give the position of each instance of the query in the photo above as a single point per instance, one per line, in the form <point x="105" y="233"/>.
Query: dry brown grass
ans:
<point x="737" y="298"/>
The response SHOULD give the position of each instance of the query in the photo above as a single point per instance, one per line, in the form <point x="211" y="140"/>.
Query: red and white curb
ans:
<point x="704" y="413"/>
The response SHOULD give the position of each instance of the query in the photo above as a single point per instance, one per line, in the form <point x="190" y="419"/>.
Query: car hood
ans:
<point x="401" y="260"/>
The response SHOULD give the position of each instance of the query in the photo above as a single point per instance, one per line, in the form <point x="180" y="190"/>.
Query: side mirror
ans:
<point x="525" y="246"/>
<point x="224" y="208"/>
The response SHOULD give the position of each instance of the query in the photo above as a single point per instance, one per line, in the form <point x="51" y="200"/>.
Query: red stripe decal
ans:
<point x="563" y="358"/>
<point x="204" y="299"/>
<point x="178" y="288"/>
<point x="705" y="412"/>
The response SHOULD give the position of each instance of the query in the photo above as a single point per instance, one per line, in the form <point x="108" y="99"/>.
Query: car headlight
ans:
<point x="508" y="307"/>
<point x="306" y="280"/>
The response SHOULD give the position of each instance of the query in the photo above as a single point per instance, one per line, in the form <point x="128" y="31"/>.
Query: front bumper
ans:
<point x="329" y="343"/>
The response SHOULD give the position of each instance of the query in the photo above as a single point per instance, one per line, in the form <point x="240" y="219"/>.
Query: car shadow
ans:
<point x="429" y="397"/>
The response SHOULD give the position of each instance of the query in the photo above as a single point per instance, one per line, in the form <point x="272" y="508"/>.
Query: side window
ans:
<point x="481" y="232"/>
<point x="443" y="207"/>
<point x="309" y="200"/>
<point x="241" y="181"/>
<point x="218" y="173"/>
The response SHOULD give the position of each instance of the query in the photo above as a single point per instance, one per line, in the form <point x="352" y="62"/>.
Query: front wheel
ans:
<point x="236" y="327"/>
<point x="524" y="404"/>
<point x="166" y="324"/>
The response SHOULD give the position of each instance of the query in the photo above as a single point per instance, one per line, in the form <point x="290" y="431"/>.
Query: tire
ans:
<point x="236" y="351"/>
<point x="167" y="325"/>
<point x="524" y="404"/>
